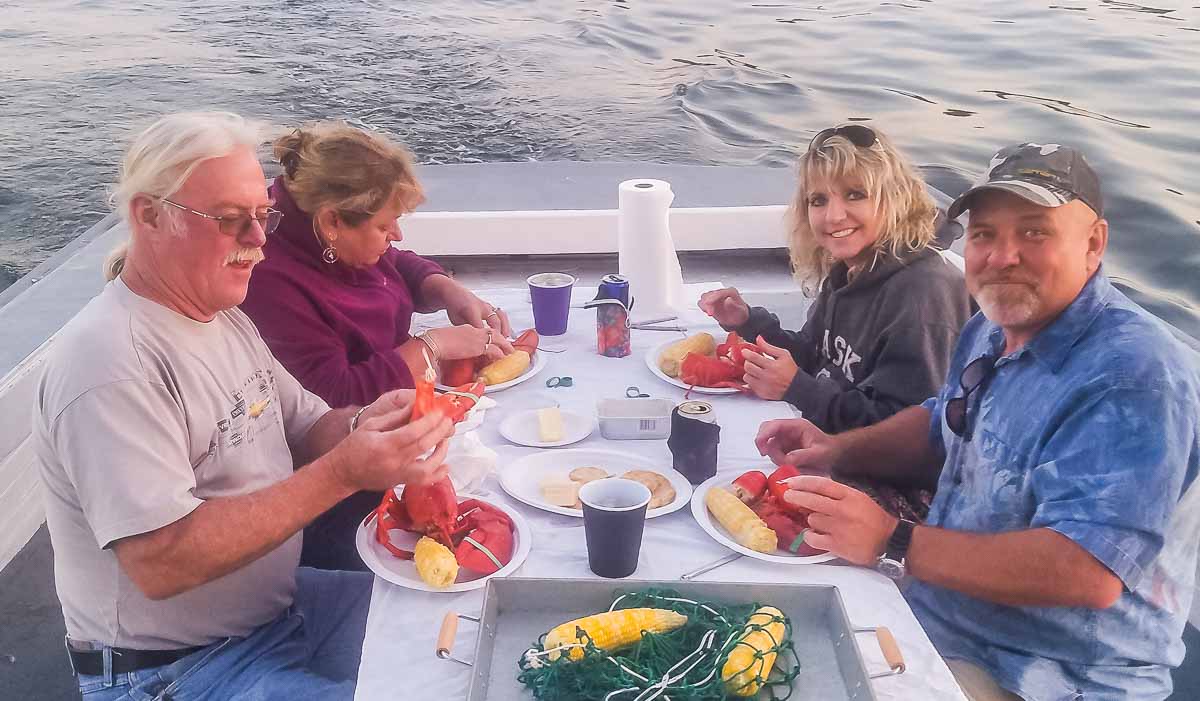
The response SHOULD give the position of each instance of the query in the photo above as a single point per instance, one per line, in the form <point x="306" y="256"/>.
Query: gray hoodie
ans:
<point x="874" y="345"/>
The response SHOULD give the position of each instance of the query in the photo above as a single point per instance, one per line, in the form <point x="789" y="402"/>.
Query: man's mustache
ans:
<point x="245" y="255"/>
<point x="1006" y="280"/>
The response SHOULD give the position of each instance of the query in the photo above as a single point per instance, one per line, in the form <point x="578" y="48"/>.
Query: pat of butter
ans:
<point x="560" y="492"/>
<point x="550" y="425"/>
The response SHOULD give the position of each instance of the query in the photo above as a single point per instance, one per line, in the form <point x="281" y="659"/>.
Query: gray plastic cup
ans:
<point x="550" y="294"/>
<point x="614" y="516"/>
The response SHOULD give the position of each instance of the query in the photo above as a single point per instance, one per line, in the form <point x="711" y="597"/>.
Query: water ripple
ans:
<point x="689" y="81"/>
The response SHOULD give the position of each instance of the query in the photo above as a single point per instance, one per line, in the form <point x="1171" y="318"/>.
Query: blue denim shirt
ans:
<point x="1091" y="429"/>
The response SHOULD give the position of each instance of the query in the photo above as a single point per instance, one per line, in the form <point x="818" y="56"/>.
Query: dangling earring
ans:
<point x="330" y="254"/>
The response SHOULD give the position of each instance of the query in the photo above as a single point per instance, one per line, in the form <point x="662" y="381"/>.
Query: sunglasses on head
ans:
<point x="973" y="377"/>
<point x="857" y="134"/>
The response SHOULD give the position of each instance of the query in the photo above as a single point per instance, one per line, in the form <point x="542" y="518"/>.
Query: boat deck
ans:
<point x="32" y="662"/>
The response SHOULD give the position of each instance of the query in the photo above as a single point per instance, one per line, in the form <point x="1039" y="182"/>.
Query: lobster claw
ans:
<point x="488" y="543"/>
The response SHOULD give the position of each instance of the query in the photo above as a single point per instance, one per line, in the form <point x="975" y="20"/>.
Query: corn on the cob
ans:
<point x="611" y="630"/>
<point x="746" y="528"/>
<point x="672" y="356"/>
<point x="742" y="671"/>
<point x="435" y="563"/>
<point x="507" y="368"/>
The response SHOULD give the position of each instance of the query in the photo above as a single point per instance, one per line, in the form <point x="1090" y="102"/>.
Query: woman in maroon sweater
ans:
<point x="334" y="300"/>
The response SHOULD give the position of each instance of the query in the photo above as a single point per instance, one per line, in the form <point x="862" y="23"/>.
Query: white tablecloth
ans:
<point x="398" y="652"/>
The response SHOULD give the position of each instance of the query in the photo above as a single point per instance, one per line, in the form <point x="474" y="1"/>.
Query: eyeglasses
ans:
<point x="237" y="224"/>
<point x="973" y="377"/>
<point x="857" y="134"/>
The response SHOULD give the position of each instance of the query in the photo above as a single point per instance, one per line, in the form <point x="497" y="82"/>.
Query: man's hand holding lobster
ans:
<point x="386" y="448"/>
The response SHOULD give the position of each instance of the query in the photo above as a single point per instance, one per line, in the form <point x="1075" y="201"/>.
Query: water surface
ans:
<point x="717" y="82"/>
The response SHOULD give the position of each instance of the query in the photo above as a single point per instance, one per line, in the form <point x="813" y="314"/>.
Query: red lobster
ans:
<point x="725" y="369"/>
<point x="465" y="370"/>
<point x="479" y="535"/>
<point x="764" y="494"/>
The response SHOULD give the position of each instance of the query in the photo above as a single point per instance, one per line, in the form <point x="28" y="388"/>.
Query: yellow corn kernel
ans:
<point x="507" y="368"/>
<point x="435" y="563"/>
<point x="672" y="356"/>
<point x="612" y="630"/>
<point x="746" y="528"/>
<point x="742" y="670"/>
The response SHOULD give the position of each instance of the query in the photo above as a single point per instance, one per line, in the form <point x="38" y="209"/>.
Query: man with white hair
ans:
<point x="167" y="435"/>
<point x="1059" y="557"/>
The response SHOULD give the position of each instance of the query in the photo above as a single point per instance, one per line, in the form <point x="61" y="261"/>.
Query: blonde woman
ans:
<point x="888" y="307"/>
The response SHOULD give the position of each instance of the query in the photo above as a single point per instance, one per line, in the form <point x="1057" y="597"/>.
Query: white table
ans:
<point x="398" y="652"/>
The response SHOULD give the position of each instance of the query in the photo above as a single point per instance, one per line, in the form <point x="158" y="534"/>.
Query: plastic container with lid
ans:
<point x="631" y="419"/>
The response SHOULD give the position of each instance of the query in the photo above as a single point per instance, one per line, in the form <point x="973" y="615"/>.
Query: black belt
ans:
<point x="91" y="662"/>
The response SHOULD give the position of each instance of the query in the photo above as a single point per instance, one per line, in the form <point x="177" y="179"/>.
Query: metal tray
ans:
<point x="516" y="611"/>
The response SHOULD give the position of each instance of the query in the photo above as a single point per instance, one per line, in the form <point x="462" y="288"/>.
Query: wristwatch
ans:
<point x="891" y="562"/>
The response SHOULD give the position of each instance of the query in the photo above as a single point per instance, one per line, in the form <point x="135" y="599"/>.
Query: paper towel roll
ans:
<point x="645" y="250"/>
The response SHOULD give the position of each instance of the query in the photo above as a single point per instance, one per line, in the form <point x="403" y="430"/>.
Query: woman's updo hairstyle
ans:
<point x="356" y="173"/>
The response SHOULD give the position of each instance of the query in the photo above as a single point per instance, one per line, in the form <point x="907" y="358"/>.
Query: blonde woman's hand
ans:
<point x="770" y="373"/>
<point x="726" y="306"/>
<point x="465" y="341"/>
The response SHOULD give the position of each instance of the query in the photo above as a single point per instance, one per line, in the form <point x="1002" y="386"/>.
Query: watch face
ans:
<point x="890" y="568"/>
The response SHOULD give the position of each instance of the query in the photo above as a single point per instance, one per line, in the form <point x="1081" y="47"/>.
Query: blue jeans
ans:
<point x="311" y="651"/>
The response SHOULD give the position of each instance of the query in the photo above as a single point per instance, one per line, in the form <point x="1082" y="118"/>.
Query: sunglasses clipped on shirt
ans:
<point x="857" y="134"/>
<point x="972" y="380"/>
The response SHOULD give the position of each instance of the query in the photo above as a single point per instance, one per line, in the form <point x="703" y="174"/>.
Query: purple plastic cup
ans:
<point x="551" y="297"/>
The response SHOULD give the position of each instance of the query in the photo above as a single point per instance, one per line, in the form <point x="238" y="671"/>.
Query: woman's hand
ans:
<point x="386" y="449"/>
<point x="463" y="307"/>
<point x="726" y="306"/>
<point x="770" y="373"/>
<point x="464" y="341"/>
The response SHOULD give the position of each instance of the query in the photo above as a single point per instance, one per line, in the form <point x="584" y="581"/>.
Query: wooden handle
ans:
<point x="445" y="639"/>
<point x="890" y="649"/>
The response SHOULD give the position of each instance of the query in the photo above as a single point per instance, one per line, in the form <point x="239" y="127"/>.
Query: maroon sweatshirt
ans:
<point x="335" y="328"/>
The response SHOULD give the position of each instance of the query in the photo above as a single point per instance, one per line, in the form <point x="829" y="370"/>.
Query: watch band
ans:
<point x="901" y="538"/>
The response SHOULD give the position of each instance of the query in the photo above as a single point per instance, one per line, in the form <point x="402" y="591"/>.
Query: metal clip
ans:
<point x="635" y="393"/>
<point x="556" y="381"/>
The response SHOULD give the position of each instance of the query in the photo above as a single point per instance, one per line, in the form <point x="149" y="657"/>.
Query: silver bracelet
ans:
<point x="354" y="419"/>
<point x="427" y="339"/>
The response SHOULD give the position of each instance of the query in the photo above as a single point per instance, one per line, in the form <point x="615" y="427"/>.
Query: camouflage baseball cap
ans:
<point x="1048" y="175"/>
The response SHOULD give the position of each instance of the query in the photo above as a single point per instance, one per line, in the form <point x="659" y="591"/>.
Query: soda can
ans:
<point x="699" y="411"/>
<point x="693" y="442"/>
<point x="613" y="286"/>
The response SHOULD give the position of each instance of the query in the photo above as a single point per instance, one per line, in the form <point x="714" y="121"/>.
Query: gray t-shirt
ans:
<point x="142" y="414"/>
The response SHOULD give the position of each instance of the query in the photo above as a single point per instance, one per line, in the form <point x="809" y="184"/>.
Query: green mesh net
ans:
<point x="680" y="665"/>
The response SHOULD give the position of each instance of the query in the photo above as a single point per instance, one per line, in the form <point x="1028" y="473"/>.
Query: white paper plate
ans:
<point x="719" y="534"/>
<point x="652" y="363"/>
<point x="540" y="360"/>
<point x="404" y="572"/>
<point x="522" y="428"/>
<point x="522" y="479"/>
